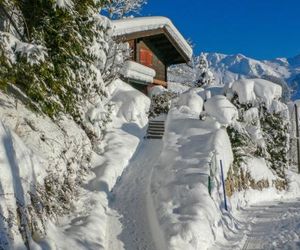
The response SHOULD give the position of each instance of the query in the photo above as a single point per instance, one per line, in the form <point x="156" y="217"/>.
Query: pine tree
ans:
<point x="206" y="77"/>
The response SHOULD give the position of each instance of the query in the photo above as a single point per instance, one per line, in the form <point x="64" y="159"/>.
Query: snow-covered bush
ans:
<point x="161" y="103"/>
<point x="205" y="75"/>
<point x="259" y="133"/>
<point x="286" y="91"/>
<point x="222" y="110"/>
<point x="191" y="100"/>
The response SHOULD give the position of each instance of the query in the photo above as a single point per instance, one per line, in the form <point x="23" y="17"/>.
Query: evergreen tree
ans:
<point x="206" y="77"/>
<point x="59" y="66"/>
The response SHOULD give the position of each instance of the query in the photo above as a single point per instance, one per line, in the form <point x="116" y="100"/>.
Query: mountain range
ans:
<point x="228" y="68"/>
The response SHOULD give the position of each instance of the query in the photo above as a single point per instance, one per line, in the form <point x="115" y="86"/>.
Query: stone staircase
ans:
<point x="155" y="129"/>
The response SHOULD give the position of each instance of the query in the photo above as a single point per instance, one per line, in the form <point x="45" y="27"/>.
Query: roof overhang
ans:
<point x="158" y="33"/>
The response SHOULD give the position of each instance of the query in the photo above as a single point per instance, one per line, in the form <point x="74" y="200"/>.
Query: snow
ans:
<point x="258" y="169"/>
<point x="265" y="225"/>
<point x="244" y="90"/>
<point x="192" y="101"/>
<point x="129" y="104"/>
<point x="221" y="109"/>
<point x="138" y="24"/>
<point x="131" y="223"/>
<point x="251" y="115"/>
<point x="187" y="216"/>
<point x="250" y="90"/>
<point x="134" y="66"/>
<point x="13" y="47"/>
<point x="122" y="139"/>
<point x="39" y="148"/>
<point x="64" y="4"/>
<point x="156" y="90"/>
<point x="136" y="71"/>
<point x="34" y="150"/>
<point x="267" y="91"/>
<point x="177" y="87"/>
<point x="20" y="168"/>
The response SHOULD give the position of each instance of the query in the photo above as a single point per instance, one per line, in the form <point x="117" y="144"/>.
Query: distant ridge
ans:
<point x="228" y="68"/>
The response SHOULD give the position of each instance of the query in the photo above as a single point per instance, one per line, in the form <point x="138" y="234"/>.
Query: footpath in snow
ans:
<point x="268" y="225"/>
<point x="129" y="225"/>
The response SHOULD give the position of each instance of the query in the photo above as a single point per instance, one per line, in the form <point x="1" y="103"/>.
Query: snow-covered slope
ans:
<point x="53" y="184"/>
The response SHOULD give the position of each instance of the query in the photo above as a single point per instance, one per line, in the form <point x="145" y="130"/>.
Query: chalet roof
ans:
<point x="138" y="27"/>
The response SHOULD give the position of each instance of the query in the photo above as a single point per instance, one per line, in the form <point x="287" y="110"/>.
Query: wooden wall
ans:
<point x="142" y="54"/>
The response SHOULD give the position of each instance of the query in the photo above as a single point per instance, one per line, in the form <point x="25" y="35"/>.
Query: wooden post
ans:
<point x="223" y="183"/>
<point x="297" y="135"/>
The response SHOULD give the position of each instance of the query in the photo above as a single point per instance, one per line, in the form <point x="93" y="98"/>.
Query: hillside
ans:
<point x="90" y="159"/>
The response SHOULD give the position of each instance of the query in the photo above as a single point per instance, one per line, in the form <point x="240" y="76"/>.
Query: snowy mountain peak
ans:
<point x="228" y="68"/>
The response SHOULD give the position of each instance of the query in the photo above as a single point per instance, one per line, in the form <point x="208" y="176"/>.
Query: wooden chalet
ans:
<point x="155" y="43"/>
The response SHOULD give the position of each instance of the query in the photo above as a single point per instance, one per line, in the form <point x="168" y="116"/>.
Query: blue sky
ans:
<point x="261" y="29"/>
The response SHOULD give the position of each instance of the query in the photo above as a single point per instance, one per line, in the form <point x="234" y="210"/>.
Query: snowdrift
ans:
<point x="188" y="217"/>
<point x="250" y="90"/>
<point x="35" y="151"/>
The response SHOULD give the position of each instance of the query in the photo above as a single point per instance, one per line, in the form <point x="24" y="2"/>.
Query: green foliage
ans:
<point x="239" y="142"/>
<point x="160" y="104"/>
<point x="275" y="132"/>
<point x="68" y="76"/>
<point x="274" y="144"/>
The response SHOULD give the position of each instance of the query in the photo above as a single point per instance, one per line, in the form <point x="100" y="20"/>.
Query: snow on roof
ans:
<point x="139" y="24"/>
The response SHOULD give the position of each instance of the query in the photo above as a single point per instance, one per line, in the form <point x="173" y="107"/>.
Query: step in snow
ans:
<point x="155" y="132"/>
<point x="153" y="137"/>
<point x="150" y="134"/>
<point x="155" y="129"/>
<point x="156" y="126"/>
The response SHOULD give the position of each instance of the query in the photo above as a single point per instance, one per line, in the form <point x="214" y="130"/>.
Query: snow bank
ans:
<point x="249" y="90"/>
<point x="34" y="152"/>
<point x="258" y="169"/>
<point x="192" y="101"/>
<point x="221" y="109"/>
<point x="138" y="24"/>
<point x="20" y="169"/>
<point x="188" y="217"/>
<point x="244" y="90"/>
<point x="129" y="104"/>
<point x="63" y="152"/>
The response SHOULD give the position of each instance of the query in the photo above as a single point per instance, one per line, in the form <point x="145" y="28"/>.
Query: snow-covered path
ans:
<point x="129" y="224"/>
<point x="274" y="226"/>
<point x="269" y="225"/>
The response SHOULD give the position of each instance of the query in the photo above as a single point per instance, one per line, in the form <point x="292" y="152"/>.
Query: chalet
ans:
<point x="156" y="44"/>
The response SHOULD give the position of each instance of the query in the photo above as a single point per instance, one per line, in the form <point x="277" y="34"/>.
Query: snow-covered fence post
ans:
<point x="297" y="135"/>
<point x="223" y="184"/>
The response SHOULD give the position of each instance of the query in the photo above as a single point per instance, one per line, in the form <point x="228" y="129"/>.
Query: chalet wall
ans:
<point x="157" y="63"/>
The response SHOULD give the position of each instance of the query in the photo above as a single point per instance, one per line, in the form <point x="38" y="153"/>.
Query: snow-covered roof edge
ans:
<point x="139" y="24"/>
